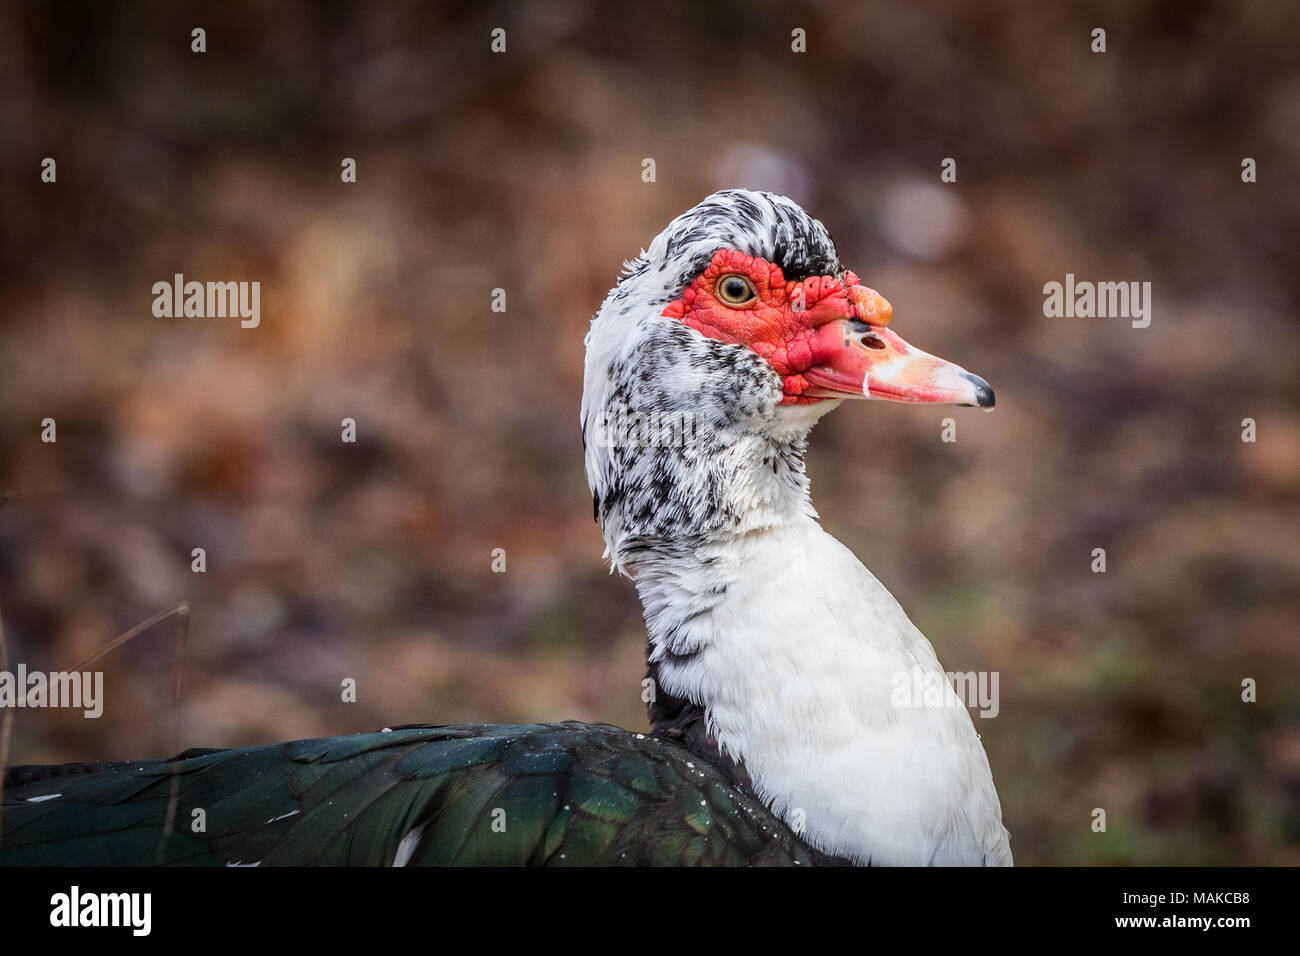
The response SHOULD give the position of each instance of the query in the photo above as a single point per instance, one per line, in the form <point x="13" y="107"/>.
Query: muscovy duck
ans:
<point x="773" y="654"/>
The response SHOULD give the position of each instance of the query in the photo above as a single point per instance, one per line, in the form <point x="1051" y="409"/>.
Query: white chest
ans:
<point x="796" y="662"/>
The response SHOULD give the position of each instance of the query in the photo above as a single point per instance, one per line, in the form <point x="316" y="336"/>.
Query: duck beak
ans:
<point x="860" y="357"/>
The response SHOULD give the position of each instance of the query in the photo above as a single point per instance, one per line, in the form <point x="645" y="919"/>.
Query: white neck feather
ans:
<point x="793" y="648"/>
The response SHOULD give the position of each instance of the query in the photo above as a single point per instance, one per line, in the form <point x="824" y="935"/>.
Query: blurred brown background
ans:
<point x="523" y="171"/>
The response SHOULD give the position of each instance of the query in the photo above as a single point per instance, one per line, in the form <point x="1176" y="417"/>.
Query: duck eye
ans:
<point x="735" y="290"/>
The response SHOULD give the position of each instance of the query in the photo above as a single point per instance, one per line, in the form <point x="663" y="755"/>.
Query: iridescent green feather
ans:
<point x="480" y="795"/>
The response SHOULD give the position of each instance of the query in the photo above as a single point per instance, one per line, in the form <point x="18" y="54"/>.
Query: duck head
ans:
<point x="716" y="352"/>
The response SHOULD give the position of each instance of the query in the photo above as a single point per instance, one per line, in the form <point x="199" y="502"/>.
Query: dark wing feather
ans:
<point x="536" y="794"/>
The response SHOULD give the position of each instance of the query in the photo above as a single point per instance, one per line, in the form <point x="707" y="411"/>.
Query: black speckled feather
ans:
<point x="530" y="795"/>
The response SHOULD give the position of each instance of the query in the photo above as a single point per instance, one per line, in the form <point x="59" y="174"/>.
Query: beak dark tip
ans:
<point x="983" y="391"/>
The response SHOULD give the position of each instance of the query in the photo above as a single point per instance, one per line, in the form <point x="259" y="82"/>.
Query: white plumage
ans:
<point x="755" y="614"/>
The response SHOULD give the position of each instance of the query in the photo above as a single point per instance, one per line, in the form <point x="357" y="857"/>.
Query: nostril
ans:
<point x="873" y="341"/>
